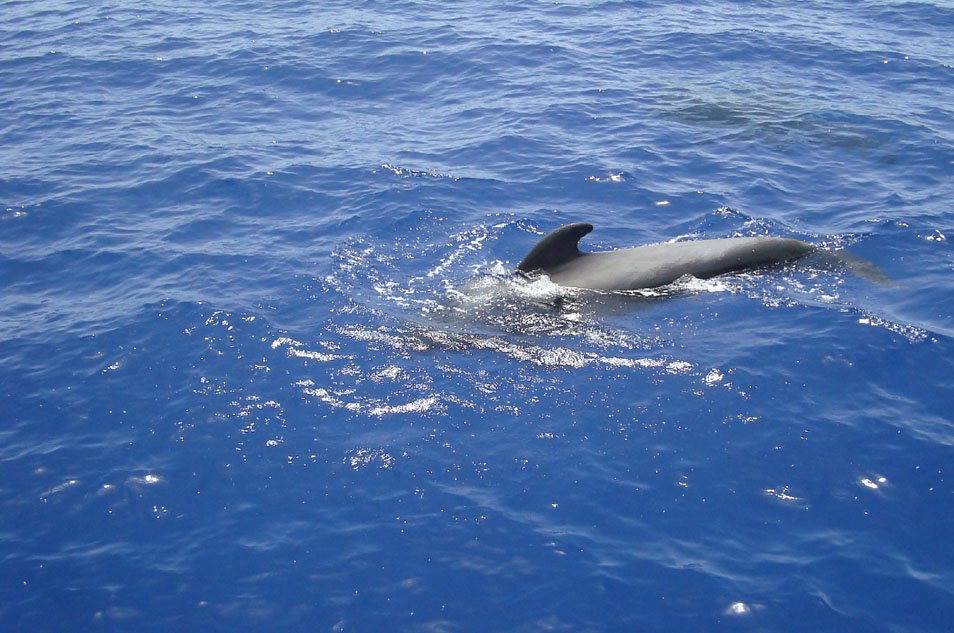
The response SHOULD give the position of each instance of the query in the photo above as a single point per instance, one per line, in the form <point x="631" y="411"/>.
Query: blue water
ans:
<point x="263" y="365"/>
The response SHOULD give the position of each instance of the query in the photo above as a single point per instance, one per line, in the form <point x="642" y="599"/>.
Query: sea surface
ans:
<point x="264" y="365"/>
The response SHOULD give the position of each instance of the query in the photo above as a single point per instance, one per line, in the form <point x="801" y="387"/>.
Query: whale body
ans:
<point x="559" y="256"/>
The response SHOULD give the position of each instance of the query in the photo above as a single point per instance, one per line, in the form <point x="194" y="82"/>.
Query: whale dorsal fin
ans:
<point x="556" y="248"/>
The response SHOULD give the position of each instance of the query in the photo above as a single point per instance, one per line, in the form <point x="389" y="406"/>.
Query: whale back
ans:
<point x="653" y="265"/>
<point x="557" y="248"/>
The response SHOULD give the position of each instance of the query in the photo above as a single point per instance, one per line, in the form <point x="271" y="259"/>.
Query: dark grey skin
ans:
<point x="559" y="256"/>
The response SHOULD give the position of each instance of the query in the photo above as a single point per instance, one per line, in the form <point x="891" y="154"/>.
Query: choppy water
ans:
<point x="263" y="365"/>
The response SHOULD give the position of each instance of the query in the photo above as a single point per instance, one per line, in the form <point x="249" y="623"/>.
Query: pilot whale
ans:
<point x="559" y="256"/>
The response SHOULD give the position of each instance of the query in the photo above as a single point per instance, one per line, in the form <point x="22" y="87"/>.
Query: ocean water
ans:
<point x="263" y="365"/>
